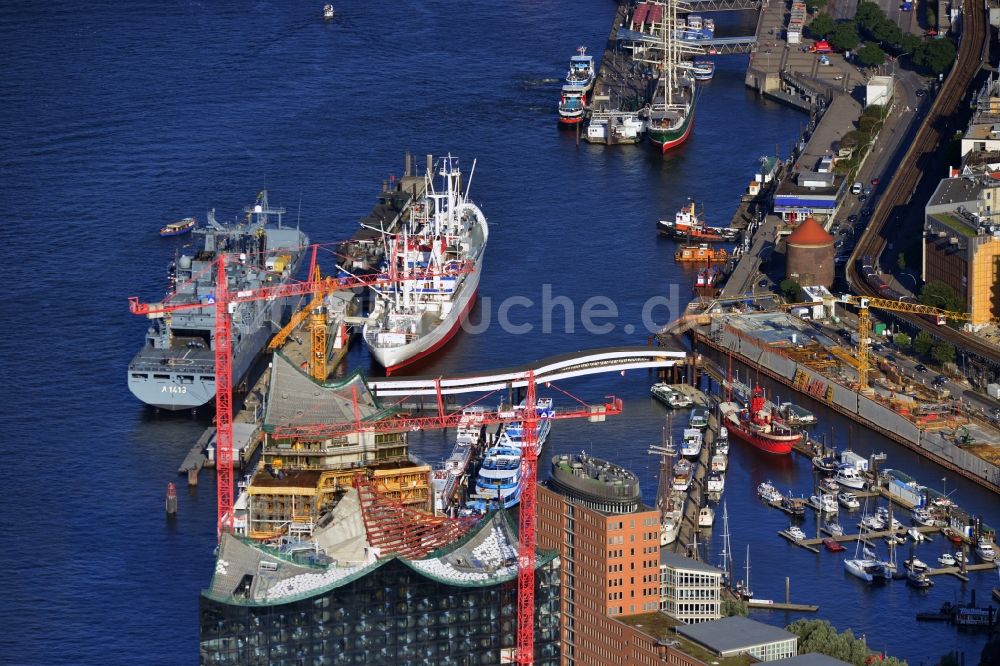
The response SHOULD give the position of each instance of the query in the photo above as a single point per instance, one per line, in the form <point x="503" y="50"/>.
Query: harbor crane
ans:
<point x="864" y="304"/>
<point x="525" y="652"/>
<point x="225" y="302"/>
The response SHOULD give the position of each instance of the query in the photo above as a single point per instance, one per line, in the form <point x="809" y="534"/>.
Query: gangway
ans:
<point x="713" y="46"/>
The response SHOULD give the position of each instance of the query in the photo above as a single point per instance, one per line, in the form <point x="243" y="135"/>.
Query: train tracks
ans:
<point x="930" y="139"/>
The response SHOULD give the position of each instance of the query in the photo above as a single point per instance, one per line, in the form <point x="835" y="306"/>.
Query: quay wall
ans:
<point x="861" y="408"/>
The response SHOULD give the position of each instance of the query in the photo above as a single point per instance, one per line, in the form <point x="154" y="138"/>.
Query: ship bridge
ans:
<point x="566" y="366"/>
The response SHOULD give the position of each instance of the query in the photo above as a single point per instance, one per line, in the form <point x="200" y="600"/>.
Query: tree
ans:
<point x="870" y="55"/>
<point x="790" y="288"/>
<point x="822" y="25"/>
<point x="943" y="352"/>
<point x="821" y="636"/>
<point x="887" y="32"/>
<point x="940" y="295"/>
<point x="923" y="342"/>
<point x="868" y="13"/>
<point x="910" y="43"/>
<point x="844" y="36"/>
<point x="936" y="55"/>
<point x="902" y="340"/>
<point x="732" y="607"/>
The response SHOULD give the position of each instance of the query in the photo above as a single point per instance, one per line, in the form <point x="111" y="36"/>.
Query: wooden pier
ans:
<point x="619" y="86"/>
<point x="767" y="604"/>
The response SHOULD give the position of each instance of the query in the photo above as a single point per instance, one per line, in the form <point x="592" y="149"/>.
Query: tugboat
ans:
<point x="758" y="426"/>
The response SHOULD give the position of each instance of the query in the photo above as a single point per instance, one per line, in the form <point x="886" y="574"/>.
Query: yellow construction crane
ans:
<point x="863" y="304"/>
<point x="317" y="323"/>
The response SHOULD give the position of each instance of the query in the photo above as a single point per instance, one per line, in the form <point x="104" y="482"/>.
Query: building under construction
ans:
<point x="301" y="478"/>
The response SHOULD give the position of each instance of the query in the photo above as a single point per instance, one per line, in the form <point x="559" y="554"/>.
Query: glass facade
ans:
<point x="392" y="615"/>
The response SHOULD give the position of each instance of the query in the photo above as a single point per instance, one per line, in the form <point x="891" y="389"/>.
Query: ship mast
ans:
<point x="666" y="452"/>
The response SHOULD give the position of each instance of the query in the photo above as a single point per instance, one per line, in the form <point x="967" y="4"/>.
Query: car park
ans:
<point x="920" y="367"/>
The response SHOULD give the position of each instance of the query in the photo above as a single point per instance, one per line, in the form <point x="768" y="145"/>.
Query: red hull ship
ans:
<point x="759" y="426"/>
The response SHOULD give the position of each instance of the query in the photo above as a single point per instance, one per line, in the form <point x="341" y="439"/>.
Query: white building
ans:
<point x="878" y="91"/>
<point x="690" y="591"/>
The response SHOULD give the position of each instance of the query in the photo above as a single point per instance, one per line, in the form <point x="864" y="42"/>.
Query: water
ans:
<point x="115" y="120"/>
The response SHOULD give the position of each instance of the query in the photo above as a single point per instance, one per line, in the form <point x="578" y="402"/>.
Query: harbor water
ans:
<point x="117" y="119"/>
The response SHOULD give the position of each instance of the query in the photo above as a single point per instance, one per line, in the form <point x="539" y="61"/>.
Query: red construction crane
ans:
<point x="223" y="353"/>
<point x="612" y="406"/>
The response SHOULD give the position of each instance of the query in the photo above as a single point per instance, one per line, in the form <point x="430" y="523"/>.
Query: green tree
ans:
<point x="790" y="288"/>
<point x="844" y="36"/>
<point x="923" y="342"/>
<point x="732" y="607"/>
<point x="936" y="55"/>
<point x="822" y="25"/>
<point x="815" y="5"/>
<point x="940" y="295"/>
<point x="870" y="55"/>
<point x="943" y="352"/>
<point x="902" y="340"/>
<point x="887" y="32"/>
<point x="868" y="13"/>
<point x="909" y="43"/>
<point x="866" y="123"/>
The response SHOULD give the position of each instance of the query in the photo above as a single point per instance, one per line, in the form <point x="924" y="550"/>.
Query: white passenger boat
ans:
<point x="922" y="516"/>
<point x="691" y="446"/>
<point x="848" y="500"/>
<point x="985" y="550"/>
<point x="682" y="476"/>
<point x="769" y="493"/>
<point x="826" y="503"/>
<point x="796" y="532"/>
<point x="850" y="476"/>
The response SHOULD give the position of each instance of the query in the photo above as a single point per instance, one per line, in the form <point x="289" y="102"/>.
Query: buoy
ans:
<point x="171" y="499"/>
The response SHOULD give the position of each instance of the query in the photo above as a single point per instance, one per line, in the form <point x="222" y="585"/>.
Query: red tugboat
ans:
<point x="759" y="425"/>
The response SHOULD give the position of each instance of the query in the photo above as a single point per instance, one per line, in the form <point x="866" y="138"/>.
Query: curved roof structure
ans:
<point x="809" y="232"/>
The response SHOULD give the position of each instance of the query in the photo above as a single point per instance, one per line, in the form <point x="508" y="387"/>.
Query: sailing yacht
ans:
<point x="671" y="508"/>
<point x="864" y="565"/>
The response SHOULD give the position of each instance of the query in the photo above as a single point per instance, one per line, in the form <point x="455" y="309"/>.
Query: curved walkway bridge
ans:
<point x="554" y="368"/>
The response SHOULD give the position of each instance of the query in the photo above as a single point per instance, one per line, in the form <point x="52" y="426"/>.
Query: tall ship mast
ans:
<point x="671" y="113"/>
<point x="413" y="319"/>
<point x="175" y="369"/>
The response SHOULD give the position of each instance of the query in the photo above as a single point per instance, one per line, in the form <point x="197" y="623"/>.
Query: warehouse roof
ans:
<point x="811" y="659"/>
<point x="733" y="633"/>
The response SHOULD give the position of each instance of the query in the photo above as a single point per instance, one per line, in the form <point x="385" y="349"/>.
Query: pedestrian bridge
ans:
<point x="555" y="368"/>
<point x="713" y="46"/>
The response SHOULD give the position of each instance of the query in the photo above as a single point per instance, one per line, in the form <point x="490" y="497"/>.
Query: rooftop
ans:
<point x="733" y="633"/>
<point x="811" y="659"/>
<point x="955" y="191"/>
<point x="680" y="562"/>
<point x="595" y="480"/>
<point x="809" y="232"/>
<point x="294" y="398"/>
<point x="663" y="627"/>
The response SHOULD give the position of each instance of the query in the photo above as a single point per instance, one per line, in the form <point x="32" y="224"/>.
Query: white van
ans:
<point x="857" y="187"/>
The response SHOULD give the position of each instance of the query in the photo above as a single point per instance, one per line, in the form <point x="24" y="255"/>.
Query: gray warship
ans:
<point x="175" y="369"/>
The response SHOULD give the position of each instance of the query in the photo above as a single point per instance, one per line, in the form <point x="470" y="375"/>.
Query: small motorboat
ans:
<point x="894" y="540"/>
<point x="829" y="484"/>
<point x="796" y="532"/>
<point x="918" y="579"/>
<point x="825" y="503"/>
<point x="985" y="550"/>
<point x="792" y="507"/>
<point x="328" y="12"/>
<point x="825" y="465"/>
<point x="916" y="565"/>
<point x="179" y="228"/>
<point x="952" y="534"/>
<point x="833" y="545"/>
<point x="834" y="528"/>
<point x="922" y="516"/>
<point x="706" y="517"/>
<point x="946" y="560"/>
<point x="959" y="557"/>
<point x="848" y="501"/>
<point x="769" y="493"/>
<point x="716" y="482"/>
<point x="917" y="535"/>
<point x="850" y="476"/>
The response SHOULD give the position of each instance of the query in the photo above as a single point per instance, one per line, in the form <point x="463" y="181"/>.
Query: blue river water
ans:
<point x="118" y="118"/>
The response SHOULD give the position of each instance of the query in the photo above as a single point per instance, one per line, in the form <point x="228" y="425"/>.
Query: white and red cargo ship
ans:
<point x="415" y="318"/>
<point x="759" y="425"/>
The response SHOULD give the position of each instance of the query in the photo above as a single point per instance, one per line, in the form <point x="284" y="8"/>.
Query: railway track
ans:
<point x="929" y="140"/>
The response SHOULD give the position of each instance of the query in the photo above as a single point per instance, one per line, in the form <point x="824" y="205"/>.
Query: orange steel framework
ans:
<point x="393" y="527"/>
<point x="223" y="354"/>
<point x="525" y="646"/>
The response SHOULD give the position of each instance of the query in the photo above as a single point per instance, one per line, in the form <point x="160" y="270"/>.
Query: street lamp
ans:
<point x="944" y="482"/>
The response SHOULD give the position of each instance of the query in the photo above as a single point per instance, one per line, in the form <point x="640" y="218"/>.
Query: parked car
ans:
<point x="921" y="92"/>
<point x="866" y="212"/>
<point x="890" y="358"/>
<point x="867" y="192"/>
<point x="852" y="218"/>
<point x="939" y="380"/>
<point x="920" y="367"/>
<point x="875" y="181"/>
<point x="862" y="196"/>
<point x="763" y="283"/>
